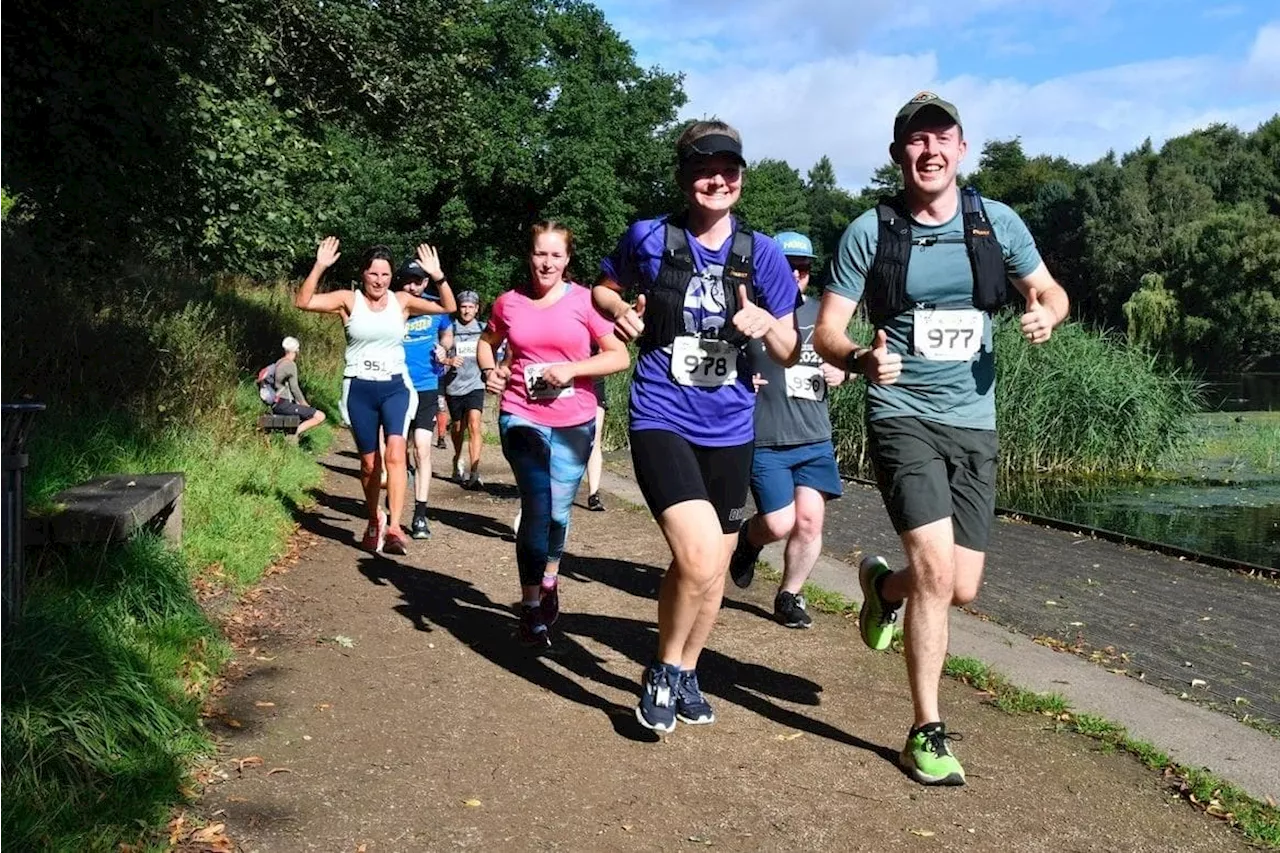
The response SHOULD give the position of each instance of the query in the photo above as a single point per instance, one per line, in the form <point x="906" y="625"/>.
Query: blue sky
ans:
<point x="804" y="78"/>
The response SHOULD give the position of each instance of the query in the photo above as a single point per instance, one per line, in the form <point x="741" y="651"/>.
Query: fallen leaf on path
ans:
<point x="362" y="848"/>
<point x="231" y="721"/>
<point x="923" y="833"/>
<point x="264" y="704"/>
<point x="176" y="828"/>
<point x="1199" y="682"/>
<point x="345" y="642"/>
<point x="471" y="804"/>
<point x="791" y="736"/>
<point x="1271" y="801"/>
<point x="274" y="770"/>
<point x="323" y="706"/>
<point x="251" y="761"/>
<point x="626" y="827"/>
<point x="209" y="834"/>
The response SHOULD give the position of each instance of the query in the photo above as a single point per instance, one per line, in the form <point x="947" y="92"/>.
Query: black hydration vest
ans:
<point x="886" y="290"/>
<point x="664" y="302"/>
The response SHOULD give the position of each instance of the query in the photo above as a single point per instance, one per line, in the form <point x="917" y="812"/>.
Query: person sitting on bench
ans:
<point x="289" y="396"/>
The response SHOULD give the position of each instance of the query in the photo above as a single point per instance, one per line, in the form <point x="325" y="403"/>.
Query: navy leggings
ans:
<point x="369" y="403"/>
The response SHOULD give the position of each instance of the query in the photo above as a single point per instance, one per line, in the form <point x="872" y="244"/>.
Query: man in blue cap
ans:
<point x="793" y="471"/>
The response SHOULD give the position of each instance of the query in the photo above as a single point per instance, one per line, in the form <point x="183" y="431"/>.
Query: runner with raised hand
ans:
<point x="424" y="355"/>
<point x="547" y="409"/>
<point x="703" y="288"/>
<point x="376" y="392"/>
<point x="932" y="265"/>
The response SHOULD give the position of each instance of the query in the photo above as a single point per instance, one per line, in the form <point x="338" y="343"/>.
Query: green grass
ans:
<point x="1245" y="442"/>
<point x="106" y="671"/>
<point x="1083" y="403"/>
<point x="1257" y="821"/>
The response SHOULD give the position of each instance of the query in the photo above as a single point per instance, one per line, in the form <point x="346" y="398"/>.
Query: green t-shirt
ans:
<point x="957" y="393"/>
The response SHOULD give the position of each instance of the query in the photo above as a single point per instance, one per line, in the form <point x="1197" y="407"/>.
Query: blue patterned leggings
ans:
<point x="548" y="463"/>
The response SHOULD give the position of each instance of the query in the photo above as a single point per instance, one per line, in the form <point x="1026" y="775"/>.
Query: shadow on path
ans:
<point x="433" y="600"/>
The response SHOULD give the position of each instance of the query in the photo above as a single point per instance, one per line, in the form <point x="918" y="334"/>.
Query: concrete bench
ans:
<point x="114" y="508"/>
<point x="287" y="424"/>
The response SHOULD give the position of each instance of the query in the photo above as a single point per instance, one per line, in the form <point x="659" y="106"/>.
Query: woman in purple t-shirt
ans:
<point x="547" y="413"/>
<point x="702" y="288"/>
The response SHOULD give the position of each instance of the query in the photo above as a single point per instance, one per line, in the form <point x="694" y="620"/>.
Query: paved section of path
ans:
<point x="385" y="705"/>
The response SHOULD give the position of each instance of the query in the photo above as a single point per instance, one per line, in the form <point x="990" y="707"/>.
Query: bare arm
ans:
<point x="830" y="337"/>
<point x="337" y="302"/>
<point x="628" y="320"/>
<point x="1047" y="304"/>
<point x="495" y="376"/>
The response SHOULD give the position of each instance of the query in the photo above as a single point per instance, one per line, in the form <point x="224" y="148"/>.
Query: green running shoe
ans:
<point x="928" y="759"/>
<point x="877" y="616"/>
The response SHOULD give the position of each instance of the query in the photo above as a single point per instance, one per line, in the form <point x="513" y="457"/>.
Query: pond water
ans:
<point x="1239" y="521"/>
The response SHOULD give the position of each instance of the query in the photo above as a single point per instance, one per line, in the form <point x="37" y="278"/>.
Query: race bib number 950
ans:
<point x="703" y="363"/>
<point x="948" y="335"/>
<point x="806" y="382"/>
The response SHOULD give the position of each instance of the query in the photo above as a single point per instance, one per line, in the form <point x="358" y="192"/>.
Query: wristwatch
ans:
<point x="851" y="367"/>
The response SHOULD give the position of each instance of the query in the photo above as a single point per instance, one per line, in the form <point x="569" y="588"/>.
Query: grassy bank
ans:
<point x="1084" y="403"/>
<point x="107" y="669"/>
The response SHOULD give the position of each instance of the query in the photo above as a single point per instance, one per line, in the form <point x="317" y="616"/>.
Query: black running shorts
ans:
<point x="670" y="470"/>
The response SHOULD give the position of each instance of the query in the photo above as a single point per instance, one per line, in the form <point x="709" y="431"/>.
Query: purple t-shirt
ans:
<point x="712" y="417"/>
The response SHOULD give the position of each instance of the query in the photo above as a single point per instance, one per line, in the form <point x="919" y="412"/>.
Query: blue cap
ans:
<point x="794" y="245"/>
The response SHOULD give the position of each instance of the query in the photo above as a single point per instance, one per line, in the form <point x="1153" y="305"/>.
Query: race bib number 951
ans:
<point x="948" y="334"/>
<point x="703" y="363"/>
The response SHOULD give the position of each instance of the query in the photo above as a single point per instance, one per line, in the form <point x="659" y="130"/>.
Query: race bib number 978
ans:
<point x="703" y="363"/>
<point x="949" y="334"/>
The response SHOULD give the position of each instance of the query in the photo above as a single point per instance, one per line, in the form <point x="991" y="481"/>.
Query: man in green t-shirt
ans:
<point x="931" y="265"/>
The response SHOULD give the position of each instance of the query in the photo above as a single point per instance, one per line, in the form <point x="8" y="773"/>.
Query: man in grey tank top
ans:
<point x="793" y="472"/>
<point x="464" y="390"/>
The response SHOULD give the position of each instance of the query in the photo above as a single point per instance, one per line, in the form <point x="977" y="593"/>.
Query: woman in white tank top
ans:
<point x="376" y="391"/>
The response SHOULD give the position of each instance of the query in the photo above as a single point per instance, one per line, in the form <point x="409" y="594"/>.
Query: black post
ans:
<point x="18" y="418"/>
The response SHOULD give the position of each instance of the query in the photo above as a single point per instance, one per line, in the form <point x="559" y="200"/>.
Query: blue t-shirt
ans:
<point x="422" y="333"/>
<point x="710" y="417"/>
<point x="939" y="275"/>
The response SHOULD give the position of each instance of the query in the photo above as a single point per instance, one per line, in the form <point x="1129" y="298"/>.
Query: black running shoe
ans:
<point x="742" y="565"/>
<point x="419" y="529"/>
<point x="790" y="610"/>
<point x="593" y="502"/>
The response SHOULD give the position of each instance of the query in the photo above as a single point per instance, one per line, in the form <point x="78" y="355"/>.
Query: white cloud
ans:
<point x="1263" y="65"/>
<point x="843" y="106"/>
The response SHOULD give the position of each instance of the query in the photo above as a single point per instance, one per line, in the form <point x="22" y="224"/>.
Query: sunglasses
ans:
<point x="730" y="172"/>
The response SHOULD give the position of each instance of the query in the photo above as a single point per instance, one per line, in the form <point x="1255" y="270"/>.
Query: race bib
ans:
<point x="806" y="382"/>
<point x="948" y="334"/>
<point x="373" y="368"/>
<point x="467" y="349"/>
<point x="537" y="387"/>
<point x="703" y="363"/>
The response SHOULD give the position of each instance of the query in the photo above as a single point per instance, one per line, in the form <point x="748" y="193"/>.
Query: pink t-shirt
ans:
<point x="564" y="331"/>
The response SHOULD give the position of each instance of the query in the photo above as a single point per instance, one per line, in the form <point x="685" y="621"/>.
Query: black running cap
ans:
<point x="711" y="144"/>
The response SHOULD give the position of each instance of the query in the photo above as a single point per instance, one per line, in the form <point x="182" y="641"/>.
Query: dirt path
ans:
<point x="425" y="726"/>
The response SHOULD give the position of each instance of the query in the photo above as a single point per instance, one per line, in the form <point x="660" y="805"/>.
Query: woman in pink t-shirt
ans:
<point x="547" y="412"/>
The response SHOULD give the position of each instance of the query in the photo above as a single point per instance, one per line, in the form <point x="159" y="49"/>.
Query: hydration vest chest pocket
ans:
<point x="947" y="334"/>
<point x="703" y="363"/>
<point x="538" y="388"/>
<point x="805" y="382"/>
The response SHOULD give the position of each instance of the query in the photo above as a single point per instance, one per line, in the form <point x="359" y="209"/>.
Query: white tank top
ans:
<point x="375" y="340"/>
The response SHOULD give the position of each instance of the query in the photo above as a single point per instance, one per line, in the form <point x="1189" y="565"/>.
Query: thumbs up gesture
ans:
<point x="878" y="364"/>
<point x="630" y="324"/>
<point x="751" y="320"/>
<point x="1038" y="321"/>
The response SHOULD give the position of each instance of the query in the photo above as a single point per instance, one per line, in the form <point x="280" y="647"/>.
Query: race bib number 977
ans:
<point x="948" y="334"/>
<point x="703" y="363"/>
